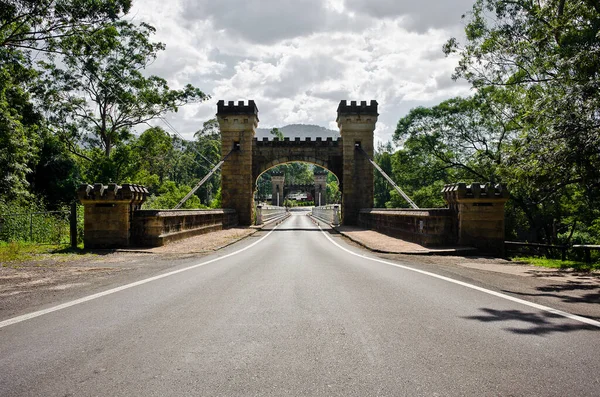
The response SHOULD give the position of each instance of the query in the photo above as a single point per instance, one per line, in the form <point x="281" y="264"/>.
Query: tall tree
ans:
<point x="98" y="92"/>
<point x="469" y="134"/>
<point x="20" y="125"/>
<point x="41" y="24"/>
<point x="28" y="27"/>
<point x="547" y="55"/>
<point x="381" y="187"/>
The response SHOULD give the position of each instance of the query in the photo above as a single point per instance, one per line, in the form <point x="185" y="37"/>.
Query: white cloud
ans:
<point x="417" y="15"/>
<point x="298" y="58"/>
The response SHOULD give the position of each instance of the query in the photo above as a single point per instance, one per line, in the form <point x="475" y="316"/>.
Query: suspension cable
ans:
<point x="386" y="176"/>
<point x="203" y="180"/>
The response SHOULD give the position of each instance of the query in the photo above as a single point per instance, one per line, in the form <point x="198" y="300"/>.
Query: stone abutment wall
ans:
<point x="474" y="217"/>
<point x="429" y="227"/>
<point x="113" y="218"/>
<point x="154" y="228"/>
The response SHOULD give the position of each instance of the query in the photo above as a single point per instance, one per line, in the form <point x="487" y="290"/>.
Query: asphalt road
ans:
<point x="297" y="313"/>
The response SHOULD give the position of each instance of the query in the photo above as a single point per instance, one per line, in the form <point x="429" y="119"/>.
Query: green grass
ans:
<point x="558" y="264"/>
<point x="16" y="252"/>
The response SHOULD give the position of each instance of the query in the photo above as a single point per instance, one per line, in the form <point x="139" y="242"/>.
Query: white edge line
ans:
<point x="575" y="317"/>
<point x="88" y="298"/>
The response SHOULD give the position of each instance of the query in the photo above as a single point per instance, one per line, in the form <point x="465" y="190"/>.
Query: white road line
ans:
<point x="575" y="317"/>
<point x="88" y="298"/>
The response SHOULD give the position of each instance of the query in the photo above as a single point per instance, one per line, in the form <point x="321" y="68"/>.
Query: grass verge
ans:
<point x="16" y="252"/>
<point x="558" y="264"/>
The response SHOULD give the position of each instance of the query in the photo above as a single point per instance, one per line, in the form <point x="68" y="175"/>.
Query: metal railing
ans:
<point x="267" y="213"/>
<point x="328" y="213"/>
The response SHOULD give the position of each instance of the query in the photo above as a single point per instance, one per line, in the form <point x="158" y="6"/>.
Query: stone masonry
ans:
<point x="108" y="211"/>
<point x="357" y="124"/>
<point x="478" y="215"/>
<point x="320" y="188"/>
<point x="277" y="183"/>
<point x="238" y="125"/>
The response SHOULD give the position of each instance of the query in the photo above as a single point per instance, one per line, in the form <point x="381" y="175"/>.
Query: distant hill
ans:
<point x="299" y="130"/>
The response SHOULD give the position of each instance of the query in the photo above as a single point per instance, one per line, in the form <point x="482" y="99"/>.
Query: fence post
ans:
<point x="73" y="224"/>
<point x="31" y="228"/>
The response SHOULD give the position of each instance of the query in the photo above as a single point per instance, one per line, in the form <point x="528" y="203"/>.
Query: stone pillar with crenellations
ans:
<point x="238" y="124"/>
<point x="320" y="187"/>
<point x="357" y="124"/>
<point x="277" y="181"/>
<point x="108" y="211"/>
<point x="478" y="215"/>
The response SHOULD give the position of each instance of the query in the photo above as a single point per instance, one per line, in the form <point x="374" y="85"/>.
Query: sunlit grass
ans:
<point x="558" y="264"/>
<point x="16" y="252"/>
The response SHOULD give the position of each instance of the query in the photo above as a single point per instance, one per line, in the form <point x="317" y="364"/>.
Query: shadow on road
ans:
<point x="542" y="323"/>
<point x="300" y="229"/>
<point x="83" y="251"/>
<point x="558" y="291"/>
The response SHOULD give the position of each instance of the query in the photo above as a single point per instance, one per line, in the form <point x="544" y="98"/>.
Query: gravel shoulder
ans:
<point x="47" y="279"/>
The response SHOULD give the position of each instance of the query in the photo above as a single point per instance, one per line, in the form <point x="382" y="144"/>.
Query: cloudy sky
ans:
<point x="298" y="58"/>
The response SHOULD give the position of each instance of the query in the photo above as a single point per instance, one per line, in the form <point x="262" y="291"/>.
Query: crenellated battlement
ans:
<point x="479" y="215"/>
<point x="345" y="109"/>
<point x="265" y="141"/>
<point x="134" y="194"/>
<point x="230" y="108"/>
<point x="474" y="191"/>
<point x="108" y="212"/>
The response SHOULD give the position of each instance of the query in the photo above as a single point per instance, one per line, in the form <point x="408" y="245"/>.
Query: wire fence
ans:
<point x="48" y="227"/>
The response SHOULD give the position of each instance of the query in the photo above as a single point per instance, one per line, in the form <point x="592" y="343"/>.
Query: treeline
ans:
<point x="72" y="92"/>
<point x="532" y="123"/>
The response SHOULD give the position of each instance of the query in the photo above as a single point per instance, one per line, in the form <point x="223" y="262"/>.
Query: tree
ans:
<point x="381" y="187"/>
<point x="41" y="24"/>
<point x="156" y="153"/>
<point x="206" y="152"/>
<point x="19" y="126"/>
<point x="544" y="59"/>
<point x="55" y="175"/>
<point x="333" y="189"/>
<point x="277" y="133"/>
<point x="547" y="56"/>
<point x="98" y="92"/>
<point x="469" y="134"/>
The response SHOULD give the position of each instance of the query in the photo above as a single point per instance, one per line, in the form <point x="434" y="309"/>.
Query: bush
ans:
<point x="30" y="222"/>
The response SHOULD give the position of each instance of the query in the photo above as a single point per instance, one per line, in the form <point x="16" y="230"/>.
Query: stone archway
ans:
<point x="319" y="187"/>
<point x="252" y="157"/>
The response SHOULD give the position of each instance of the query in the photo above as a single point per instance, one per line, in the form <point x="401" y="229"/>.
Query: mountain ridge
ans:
<point x="299" y="130"/>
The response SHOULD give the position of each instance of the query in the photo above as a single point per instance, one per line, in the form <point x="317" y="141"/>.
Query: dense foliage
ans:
<point x="72" y="90"/>
<point x="532" y="123"/>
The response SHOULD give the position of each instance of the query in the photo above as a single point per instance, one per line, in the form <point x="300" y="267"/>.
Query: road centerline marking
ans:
<point x="29" y="316"/>
<point x="548" y="309"/>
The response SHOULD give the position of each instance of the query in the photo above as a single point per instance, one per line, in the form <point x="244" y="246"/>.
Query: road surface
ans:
<point x="291" y="311"/>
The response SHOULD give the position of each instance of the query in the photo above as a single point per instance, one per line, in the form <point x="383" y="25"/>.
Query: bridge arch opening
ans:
<point x="297" y="183"/>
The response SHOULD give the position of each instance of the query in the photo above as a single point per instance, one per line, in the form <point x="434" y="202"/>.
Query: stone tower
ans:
<point x="320" y="188"/>
<point x="238" y="125"/>
<point x="277" y="181"/>
<point x="357" y="124"/>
